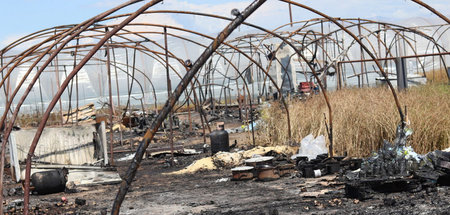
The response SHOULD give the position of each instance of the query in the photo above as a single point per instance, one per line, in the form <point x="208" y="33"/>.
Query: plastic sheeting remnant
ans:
<point x="311" y="147"/>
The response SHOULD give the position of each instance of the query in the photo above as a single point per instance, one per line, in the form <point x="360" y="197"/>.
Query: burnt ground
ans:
<point x="211" y="192"/>
<point x="204" y="193"/>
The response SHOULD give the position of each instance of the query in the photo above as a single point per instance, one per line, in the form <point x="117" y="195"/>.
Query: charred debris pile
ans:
<point x="396" y="167"/>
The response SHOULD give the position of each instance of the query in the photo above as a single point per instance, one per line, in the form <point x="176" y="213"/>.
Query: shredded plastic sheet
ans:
<point x="311" y="147"/>
<point x="393" y="159"/>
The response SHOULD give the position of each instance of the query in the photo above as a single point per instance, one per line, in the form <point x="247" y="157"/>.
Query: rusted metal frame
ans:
<point x="230" y="63"/>
<point x="181" y="29"/>
<point x="397" y="103"/>
<point x="448" y="28"/>
<point x="407" y="29"/>
<point x="117" y="90"/>
<point x="158" y="54"/>
<point x="170" y="102"/>
<point x="361" y="52"/>
<point x="19" y="59"/>
<point x="322" y="40"/>
<point x="33" y="36"/>
<point x="328" y="56"/>
<point x="415" y="51"/>
<point x="423" y="4"/>
<point x="290" y="14"/>
<point x="327" y="35"/>
<point x="269" y="76"/>
<point x="169" y="94"/>
<point x="412" y="30"/>
<point x="388" y="51"/>
<point x="248" y="91"/>
<point x="394" y="41"/>
<point x="266" y="36"/>
<point x="71" y="30"/>
<point x="49" y="39"/>
<point x="65" y="33"/>
<point x="71" y="89"/>
<point x="353" y="25"/>
<point x="436" y="41"/>
<point x="284" y="40"/>
<point x="130" y="88"/>
<point x="9" y="129"/>
<point x="320" y="84"/>
<point x="271" y="79"/>
<point x="318" y="81"/>
<point x="433" y="35"/>
<point x="285" y="68"/>
<point x="128" y="74"/>
<point x="117" y="82"/>
<point x="196" y="79"/>
<point x="64" y="85"/>
<point x="225" y="77"/>
<point x="295" y="32"/>
<point x="338" y="68"/>
<point x="437" y="45"/>
<point x="57" y="83"/>
<point x="202" y="114"/>
<point x="393" y="58"/>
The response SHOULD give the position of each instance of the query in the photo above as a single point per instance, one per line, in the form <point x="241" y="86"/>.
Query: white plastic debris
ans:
<point x="222" y="180"/>
<point x="127" y="157"/>
<point x="311" y="147"/>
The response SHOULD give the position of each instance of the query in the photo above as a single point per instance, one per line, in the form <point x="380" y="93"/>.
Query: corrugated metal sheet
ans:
<point x="69" y="146"/>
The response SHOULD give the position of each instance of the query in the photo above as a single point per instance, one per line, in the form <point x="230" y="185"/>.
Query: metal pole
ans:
<point x="57" y="82"/>
<point x="169" y="94"/>
<point x="118" y="92"/>
<point x="290" y="14"/>
<point x="111" y="105"/>
<point x="361" y="77"/>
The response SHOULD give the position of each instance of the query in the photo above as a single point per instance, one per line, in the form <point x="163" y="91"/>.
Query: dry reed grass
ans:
<point x="363" y="118"/>
<point x="437" y="76"/>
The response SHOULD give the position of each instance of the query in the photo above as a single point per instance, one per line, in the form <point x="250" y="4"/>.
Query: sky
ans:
<point x="21" y="17"/>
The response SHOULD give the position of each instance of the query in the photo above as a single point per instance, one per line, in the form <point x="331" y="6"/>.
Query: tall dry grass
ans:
<point x="437" y="76"/>
<point x="363" y="118"/>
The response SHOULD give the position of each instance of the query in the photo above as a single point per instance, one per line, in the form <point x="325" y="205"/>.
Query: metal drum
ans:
<point x="219" y="140"/>
<point x="52" y="181"/>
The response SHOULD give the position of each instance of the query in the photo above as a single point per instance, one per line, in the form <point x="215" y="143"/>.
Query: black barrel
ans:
<point x="219" y="140"/>
<point x="52" y="181"/>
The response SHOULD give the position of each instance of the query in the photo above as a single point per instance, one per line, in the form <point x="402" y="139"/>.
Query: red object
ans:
<point x="305" y="87"/>
<point x="63" y="199"/>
